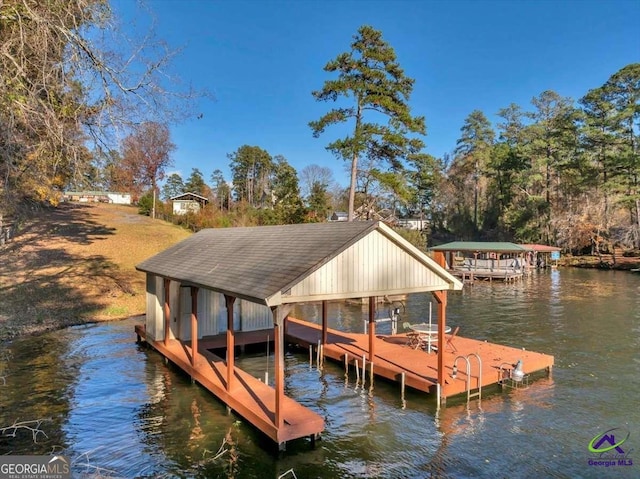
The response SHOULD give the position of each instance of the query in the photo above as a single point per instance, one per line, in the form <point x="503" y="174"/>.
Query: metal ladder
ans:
<point x="477" y="393"/>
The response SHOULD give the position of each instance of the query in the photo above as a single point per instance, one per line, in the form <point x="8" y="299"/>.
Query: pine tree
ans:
<point x="373" y="85"/>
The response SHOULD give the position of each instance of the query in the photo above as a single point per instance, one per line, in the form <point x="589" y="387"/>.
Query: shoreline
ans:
<point x="75" y="265"/>
<point x="24" y="329"/>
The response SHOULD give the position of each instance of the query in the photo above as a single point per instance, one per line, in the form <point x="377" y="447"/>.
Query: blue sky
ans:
<point x="261" y="59"/>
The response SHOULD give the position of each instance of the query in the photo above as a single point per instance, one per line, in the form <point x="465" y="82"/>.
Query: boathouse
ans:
<point x="485" y="260"/>
<point x="233" y="283"/>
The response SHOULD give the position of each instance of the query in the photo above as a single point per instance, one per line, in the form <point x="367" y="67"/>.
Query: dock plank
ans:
<point x="393" y="357"/>
<point x="249" y="397"/>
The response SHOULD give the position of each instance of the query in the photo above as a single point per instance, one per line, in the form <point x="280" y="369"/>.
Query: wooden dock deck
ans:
<point x="393" y="357"/>
<point x="471" y="275"/>
<point x="249" y="397"/>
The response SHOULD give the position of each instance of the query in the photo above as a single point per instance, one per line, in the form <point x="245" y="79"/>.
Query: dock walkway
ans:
<point x="470" y="275"/>
<point x="249" y="397"/>
<point x="393" y="357"/>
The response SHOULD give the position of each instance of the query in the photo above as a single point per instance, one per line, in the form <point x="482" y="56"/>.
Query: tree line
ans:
<point x="556" y="171"/>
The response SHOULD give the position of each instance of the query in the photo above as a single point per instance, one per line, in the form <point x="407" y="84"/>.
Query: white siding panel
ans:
<point x="255" y="316"/>
<point x="373" y="264"/>
<point x="150" y="321"/>
<point x="207" y="313"/>
<point x="174" y="306"/>
<point x="184" y="319"/>
<point x="154" y="321"/>
<point x="221" y="312"/>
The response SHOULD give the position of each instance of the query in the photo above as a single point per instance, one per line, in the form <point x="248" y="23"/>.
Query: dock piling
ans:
<point x="364" y="368"/>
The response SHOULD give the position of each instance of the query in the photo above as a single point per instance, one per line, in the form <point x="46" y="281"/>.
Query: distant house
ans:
<point x="186" y="202"/>
<point x="413" y="223"/>
<point x="339" y="216"/>
<point x="366" y="214"/>
<point x="98" y="197"/>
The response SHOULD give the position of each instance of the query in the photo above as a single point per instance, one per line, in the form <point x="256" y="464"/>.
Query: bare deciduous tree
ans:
<point x="69" y="73"/>
<point x="147" y="154"/>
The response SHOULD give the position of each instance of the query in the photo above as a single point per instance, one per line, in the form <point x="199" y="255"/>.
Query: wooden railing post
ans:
<point x="167" y="310"/>
<point x="194" y="325"/>
<point x="229" y="300"/>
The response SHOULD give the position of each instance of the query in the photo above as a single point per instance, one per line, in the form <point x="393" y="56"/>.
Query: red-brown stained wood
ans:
<point x="167" y="310"/>
<point x="393" y="357"/>
<point x="229" y="301"/>
<point x="194" y="325"/>
<point x="249" y="397"/>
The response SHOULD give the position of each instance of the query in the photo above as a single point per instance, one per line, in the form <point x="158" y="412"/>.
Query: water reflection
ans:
<point x="116" y="406"/>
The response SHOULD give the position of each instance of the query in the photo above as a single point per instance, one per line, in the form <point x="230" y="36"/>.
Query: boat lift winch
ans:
<point x="395" y="308"/>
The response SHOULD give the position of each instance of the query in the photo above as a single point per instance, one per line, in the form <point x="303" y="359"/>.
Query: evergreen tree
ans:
<point x="174" y="186"/>
<point x="196" y="184"/>
<point x="221" y="189"/>
<point x="551" y="147"/>
<point x="623" y="89"/>
<point x="252" y="168"/>
<point x="286" y="192"/>
<point x="374" y="86"/>
<point x="424" y="181"/>
<point x="473" y="153"/>
<point x="318" y="201"/>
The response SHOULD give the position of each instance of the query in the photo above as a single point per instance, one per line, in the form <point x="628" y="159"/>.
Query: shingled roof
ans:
<point x="480" y="246"/>
<point x="261" y="263"/>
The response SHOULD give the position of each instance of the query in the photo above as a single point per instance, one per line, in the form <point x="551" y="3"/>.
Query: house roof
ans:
<point x="188" y="196"/>
<point x="540" y="248"/>
<point x="94" y="193"/>
<point x="481" y="246"/>
<point x="273" y="265"/>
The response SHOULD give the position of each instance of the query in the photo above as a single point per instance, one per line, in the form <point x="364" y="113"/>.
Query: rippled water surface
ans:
<point x="117" y="410"/>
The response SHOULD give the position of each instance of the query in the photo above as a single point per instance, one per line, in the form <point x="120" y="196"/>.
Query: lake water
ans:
<point x="117" y="410"/>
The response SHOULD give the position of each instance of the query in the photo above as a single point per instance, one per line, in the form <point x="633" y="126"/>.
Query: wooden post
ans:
<point x="441" y="298"/>
<point x="279" y="313"/>
<point x="372" y="326"/>
<point x="167" y="310"/>
<point x="324" y="321"/>
<point x="279" y="370"/>
<point x="229" y="300"/>
<point x="194" y="325"/>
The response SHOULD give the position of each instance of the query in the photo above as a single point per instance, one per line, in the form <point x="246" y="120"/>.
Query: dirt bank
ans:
<point x="75" y="264"/>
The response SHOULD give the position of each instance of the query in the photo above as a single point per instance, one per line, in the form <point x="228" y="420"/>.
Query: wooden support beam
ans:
<point x="279" y="372"/>
<point x="194" y="325"/>
<point x="439" y="258"/>
<point x="279" y="313"/>
<point x="441" y="298"/>
<point x="372" y="327"/>
<point x="167" y="310"/>
<point x="229" y="300"/>
<point x="324" y="321"/>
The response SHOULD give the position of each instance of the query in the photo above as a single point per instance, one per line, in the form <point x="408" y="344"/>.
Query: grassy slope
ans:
<point x="76" y="264"/>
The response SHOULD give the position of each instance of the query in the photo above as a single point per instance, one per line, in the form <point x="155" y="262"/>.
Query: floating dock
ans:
<point x="471" y="275"/>
<point x="394" y="359"/>
<point x="249" y="397"/>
